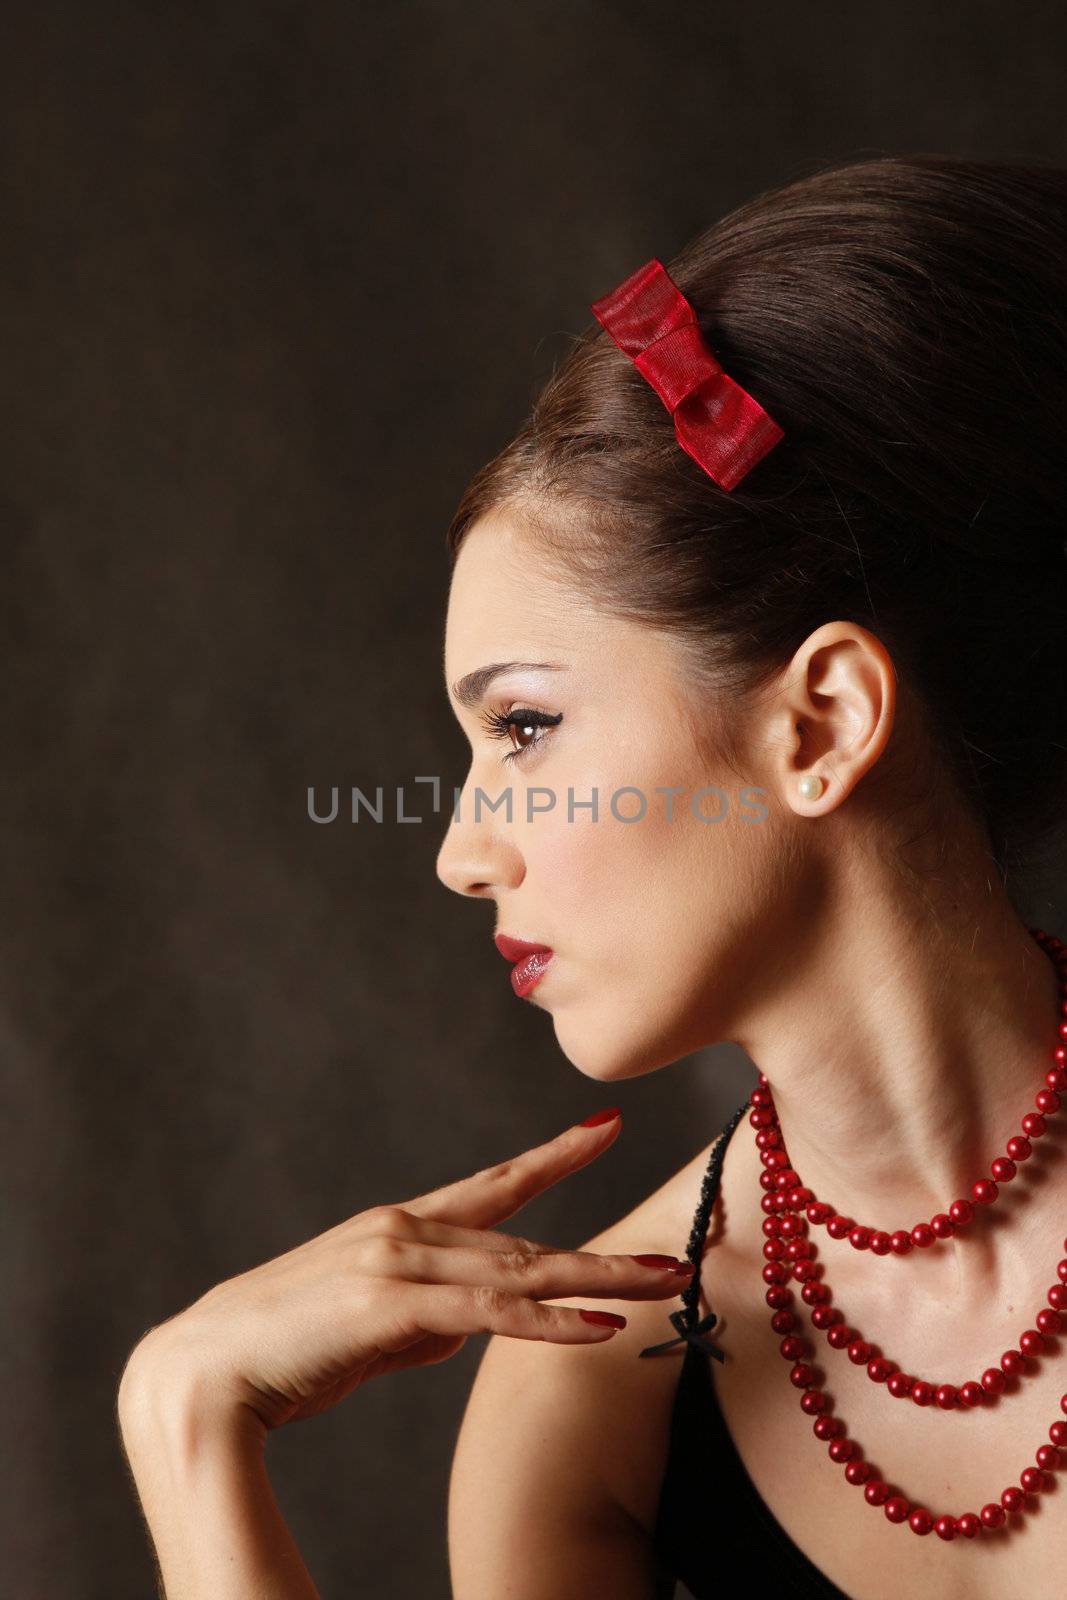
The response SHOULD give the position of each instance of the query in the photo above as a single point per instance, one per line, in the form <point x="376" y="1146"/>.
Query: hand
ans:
<point x="398" y="1286"/>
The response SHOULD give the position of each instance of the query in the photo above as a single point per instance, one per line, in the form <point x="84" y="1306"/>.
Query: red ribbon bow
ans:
<point x="720" y="425"/>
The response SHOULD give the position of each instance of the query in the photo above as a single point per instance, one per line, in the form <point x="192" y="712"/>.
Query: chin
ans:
<point x="606" y="1053"/>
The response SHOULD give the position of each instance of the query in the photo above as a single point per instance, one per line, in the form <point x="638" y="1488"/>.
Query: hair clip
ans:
<point x="716" y="421"/>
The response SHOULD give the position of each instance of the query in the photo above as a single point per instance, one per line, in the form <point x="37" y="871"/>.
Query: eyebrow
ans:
<point x="469" y="690"/>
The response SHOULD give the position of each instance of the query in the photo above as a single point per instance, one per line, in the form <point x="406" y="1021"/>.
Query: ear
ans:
<point x="831" y="717"/>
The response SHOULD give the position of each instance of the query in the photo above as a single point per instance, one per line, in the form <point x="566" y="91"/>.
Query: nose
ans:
<point x="476" y="859"/>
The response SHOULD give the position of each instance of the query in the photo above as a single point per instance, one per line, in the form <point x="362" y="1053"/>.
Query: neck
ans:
<point x="902" y="1049"/>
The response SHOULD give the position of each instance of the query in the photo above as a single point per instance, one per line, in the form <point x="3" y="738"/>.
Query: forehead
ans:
<point x="505" y="602"/>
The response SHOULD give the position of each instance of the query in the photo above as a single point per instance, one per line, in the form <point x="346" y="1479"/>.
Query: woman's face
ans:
<point x="654" y="923"/>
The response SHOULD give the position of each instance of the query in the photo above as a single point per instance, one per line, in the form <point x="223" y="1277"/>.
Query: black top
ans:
<point x="711" y="1516"/>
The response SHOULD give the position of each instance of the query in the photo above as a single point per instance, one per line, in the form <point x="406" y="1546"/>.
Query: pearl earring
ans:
<point x="810" y="786"/>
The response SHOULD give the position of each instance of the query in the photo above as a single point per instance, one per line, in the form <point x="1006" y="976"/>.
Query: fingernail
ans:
<point x="606" y="1319"/>
<point x="665" y="1263"/>
<point x="601" y="1116"/>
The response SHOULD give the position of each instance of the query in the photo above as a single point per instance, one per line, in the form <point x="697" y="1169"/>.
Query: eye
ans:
<point x="522" y="720"/>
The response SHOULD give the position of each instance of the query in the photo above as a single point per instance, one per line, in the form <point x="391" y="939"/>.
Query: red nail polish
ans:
<point x="601" y="1116"/>
<point x="665" y="1263"/>
<point x="607" y="1319"/>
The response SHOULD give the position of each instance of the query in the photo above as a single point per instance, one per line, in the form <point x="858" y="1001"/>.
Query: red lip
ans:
<point x="530" y="961"/>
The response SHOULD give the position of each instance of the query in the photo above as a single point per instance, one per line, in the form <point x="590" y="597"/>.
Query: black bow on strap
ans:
<point x="695" y="1335"/>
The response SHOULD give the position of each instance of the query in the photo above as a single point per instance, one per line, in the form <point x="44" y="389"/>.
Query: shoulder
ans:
<point x="573" y="1437"/>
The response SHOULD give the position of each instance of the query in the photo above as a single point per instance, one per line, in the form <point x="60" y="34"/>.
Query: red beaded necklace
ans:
<point x="789" y="1252"/>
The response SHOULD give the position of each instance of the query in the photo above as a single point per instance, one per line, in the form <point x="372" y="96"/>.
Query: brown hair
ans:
<point x="905" y="321"/>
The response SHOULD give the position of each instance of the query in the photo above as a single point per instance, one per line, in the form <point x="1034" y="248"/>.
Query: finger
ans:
<point x="497" y="1192"/>
<point x="539" y="1276"/>
<point x="451" y="1309"/>
<point x="401" y="1224"/>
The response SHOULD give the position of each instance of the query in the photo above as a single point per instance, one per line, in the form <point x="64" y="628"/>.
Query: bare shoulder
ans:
<point x="570" y="1441"/>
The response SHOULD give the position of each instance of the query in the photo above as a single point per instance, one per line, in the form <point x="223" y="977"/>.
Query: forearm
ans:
<point x="201" y="1477"/>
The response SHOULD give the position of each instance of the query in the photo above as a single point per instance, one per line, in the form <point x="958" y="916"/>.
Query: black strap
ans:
<point x="690" y="1330"/>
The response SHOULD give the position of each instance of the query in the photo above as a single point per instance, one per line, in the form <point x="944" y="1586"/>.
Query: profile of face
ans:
<point x="662" y="910"/>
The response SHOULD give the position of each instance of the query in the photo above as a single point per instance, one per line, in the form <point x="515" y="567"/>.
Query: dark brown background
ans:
<point x="276" y="279"/>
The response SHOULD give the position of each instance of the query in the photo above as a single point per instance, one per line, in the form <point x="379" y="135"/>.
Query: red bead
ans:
<point x="993" y="1380"/>
<point x="945" y="1527"/>
<point x="860" y="1238"/>
<point x="1058" y="1434"/>
<point x="879" y="1369"/>
<point x="897" y="1508"/>
<point x="961" y="1212"/>
<point x="812" y="1401"/>
<point x="1033" y="1124"/>
<point x="1012" y="1362"/>
<point x="778" y="1296"/>
<point x="1049" y="1322"/>
<point x="1032" y="1479"/>
<point x="1063" y="1402"/>
<point x="920" y="1520"/>
<point x="841" y="1450"/>
<point x="945" y="1395"/>
<point x="1012" y="1499"/>
<point x="792" y="1347"/>
<point x="923" y="1235"/>
<point x="971" y="1393"/>
<point x="1018" y="1148"/>
<point x="1047" y="1457"/>
<point x="1057" y="1296"/>
<point x="1061" y="1270"/>
<point x="968" y="1525"/>
<point x="840" y="1227"/>
<point x="840" y="1336"/>
<point x="802" y="1375"/>
<point x="824" y="1316"/>
<point x="984" y="1192"/>
<point x="1056" y="1079"/>
<point x="774" y="1272"/>
<point x="880" y="1243"/>
<point x="900" y="1242"/>
<point x="1047" y="1101"/>
<point x="1031" y="1343"/>
<point x="772" y="1226"/>
<point x="859" y="1352"/>
<point x="922" y="1392"/>
<point x="792" y="1227"/>
<point x="818" y="1211"/>
<point x="1003" y="1169"/>
<point x="813" y="1293"/>
<point x="826" y="1428"/>
<point x="899" y="1385"/>
<point x="943" y="1225"/>
<point x="876" y="1492"/>
<point x="992" y="1515"/>
<point x="857" y="1471"/>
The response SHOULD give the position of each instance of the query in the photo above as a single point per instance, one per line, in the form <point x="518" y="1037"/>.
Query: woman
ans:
<point x="785" y="589"/>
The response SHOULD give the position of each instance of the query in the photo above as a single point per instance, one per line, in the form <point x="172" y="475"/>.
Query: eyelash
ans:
<point x="499" y="726"/>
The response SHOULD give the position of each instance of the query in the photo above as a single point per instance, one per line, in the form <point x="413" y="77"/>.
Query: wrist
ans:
<point x="173" y="1404"/>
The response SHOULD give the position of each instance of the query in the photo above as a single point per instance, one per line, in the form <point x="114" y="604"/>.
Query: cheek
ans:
<point x="613" y="877"/>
